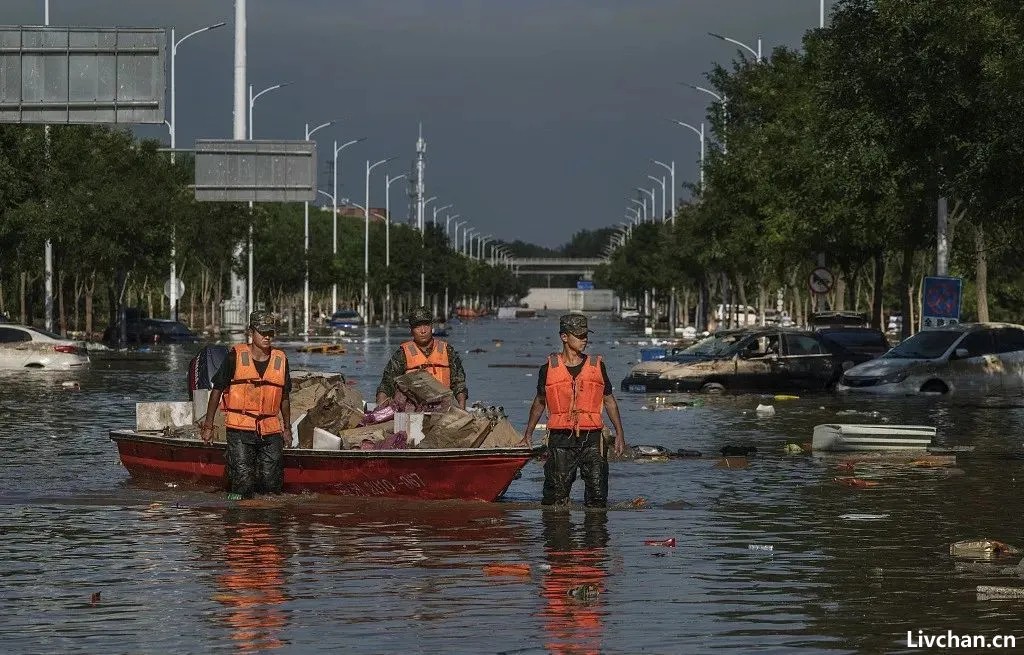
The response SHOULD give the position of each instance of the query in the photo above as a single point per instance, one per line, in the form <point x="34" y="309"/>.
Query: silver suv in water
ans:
<point x="978" y="358"/>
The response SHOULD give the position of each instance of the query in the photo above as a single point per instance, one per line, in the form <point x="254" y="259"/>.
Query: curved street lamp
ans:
<point x="366" y="238"/>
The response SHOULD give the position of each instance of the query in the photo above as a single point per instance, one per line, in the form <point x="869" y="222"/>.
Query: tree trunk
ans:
<point x="24" y="283"/>
<point x="90" y="291"/>
<point x="877" y="292"/>
<point x="61" y="320"/>
<point x="906" y="302"/>
<point x="981" y="273"/>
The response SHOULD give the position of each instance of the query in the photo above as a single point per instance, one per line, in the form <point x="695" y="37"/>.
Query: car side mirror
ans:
<point x="961" y="353"/>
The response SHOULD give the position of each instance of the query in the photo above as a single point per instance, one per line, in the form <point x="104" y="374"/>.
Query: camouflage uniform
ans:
<point x="397" y="364"/>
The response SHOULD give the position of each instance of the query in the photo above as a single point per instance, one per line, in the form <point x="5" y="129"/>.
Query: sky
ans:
<point x="540" y="116"/>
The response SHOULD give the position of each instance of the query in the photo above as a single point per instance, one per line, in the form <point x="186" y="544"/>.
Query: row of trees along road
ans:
<point x="844" y="148"/>
<point x="110" y="205"/>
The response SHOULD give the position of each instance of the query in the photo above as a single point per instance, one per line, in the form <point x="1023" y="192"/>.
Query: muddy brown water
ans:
<point x="93" y="562"/>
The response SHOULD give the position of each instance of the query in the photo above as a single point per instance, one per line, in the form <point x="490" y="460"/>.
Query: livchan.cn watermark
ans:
<point x="949" y="639"/>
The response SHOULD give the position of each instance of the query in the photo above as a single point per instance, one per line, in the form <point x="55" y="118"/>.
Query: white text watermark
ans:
<point x="949" y="639"/>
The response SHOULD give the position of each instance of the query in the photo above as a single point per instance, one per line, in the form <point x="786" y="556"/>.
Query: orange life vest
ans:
<point x="436" y="364"/>
<point x="574" y="403"/>
<point x="252" y="402"/>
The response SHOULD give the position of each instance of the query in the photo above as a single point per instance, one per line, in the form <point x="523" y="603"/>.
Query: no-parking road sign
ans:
<point x="821" y="280"/>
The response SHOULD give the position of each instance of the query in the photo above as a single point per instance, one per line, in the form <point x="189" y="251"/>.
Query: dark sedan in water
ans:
<point x="755" y="359"/>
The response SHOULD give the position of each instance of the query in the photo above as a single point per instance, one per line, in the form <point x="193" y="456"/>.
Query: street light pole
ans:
<point x="447" y="224"/>
<point x="661" y="181"/>
<point x="249" y="281"/>
<point x="672" y="172"/>
<point x="756" y="53"/>
<point x="440" y="209"/>
<point x="172" y="127"/>
<point x="700" y="135"/>
<point x="366" y="239"/>
<point x="641" y="207"/>
<point x="654" y="205"/>
<point x="305" y="245"/>
<point x="725" y="109"/>
<point x="387" y="241"/>
<point x="334" y="207"/>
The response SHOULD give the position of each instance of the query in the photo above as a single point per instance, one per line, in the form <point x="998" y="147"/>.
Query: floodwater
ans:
<point x="92" y="562"/>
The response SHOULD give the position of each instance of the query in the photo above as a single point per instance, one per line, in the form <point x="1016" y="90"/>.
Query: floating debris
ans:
<point x="986" y="592"/>
<point x="767" y="548"/>
<point x="792" y="449"/>
<point x="588" y="591"/>
<point x="670" y="542"/>
<point x="863" y="517"/>
<point x="857" y="483"/>
<point x="982" y="548"/>
<point x="765" y="410"/>
<point x="71" y="385"/>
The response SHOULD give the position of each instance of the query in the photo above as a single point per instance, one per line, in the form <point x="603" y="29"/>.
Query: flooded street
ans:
<point x="93" y="562"/>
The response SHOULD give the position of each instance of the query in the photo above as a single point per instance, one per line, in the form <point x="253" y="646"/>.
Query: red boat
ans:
<point x="424" y="474"/>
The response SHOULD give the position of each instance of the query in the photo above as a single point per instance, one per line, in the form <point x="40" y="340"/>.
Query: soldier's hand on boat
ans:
<point x="526" y="442"/>
<point x="206" y="432"/>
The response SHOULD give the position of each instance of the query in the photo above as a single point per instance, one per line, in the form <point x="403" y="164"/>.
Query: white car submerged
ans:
<point x="22" y="346"/>
<point x="975" y="358"/>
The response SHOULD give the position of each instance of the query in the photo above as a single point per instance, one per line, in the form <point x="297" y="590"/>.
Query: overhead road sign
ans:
<point x="821" y="280"/>
<point x="81" y="74"/>
<point x="585" y="285"/>
<point x="257" y="171"/>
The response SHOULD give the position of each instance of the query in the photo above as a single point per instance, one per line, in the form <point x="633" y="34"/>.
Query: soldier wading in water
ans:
<point x="574" y="388"/>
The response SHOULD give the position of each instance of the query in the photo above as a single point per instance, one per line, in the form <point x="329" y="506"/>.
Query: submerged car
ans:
<point x="346" y="319"/>
<point x="983" y="358"/>
<point x="22" y="346"/>
<point x="753" y="359"/>
<point x="152" y="330"/>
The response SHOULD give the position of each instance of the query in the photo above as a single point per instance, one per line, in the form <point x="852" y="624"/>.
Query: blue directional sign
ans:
<point x="940" y="301"/>
<point x="585" y="285"/>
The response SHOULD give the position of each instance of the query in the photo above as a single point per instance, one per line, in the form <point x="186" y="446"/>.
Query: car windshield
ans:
<point x="929" y="344"/>
<point x="714" y="345"/>
<point x="345" y="315"/>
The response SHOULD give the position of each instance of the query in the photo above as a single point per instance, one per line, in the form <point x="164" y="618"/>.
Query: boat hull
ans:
<point x="422" y="474"/>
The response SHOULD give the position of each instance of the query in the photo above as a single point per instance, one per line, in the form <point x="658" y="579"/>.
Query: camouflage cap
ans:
<point x="574" y="324"/>
<point x="263" y="321"/>
<point x="419" y="316"/>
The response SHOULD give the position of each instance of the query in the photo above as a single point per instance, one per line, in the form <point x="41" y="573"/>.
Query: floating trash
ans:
<point x="857" y="483"/>
<point x="70" y="385"/>
<point x="765" y="410"/>
<point x="783" y="396"/>
<point x="792" y="449"/>
<point x="767" y="548"/>
<point x="670" y="542"/>
<point x="982" y="548"/>
<point x="863" y="517"/>
<point x="986" y="592"/>
<point x="588" y="591"/>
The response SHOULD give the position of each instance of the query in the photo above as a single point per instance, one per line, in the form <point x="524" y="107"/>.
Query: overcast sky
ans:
<point x="540" y="115"/>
